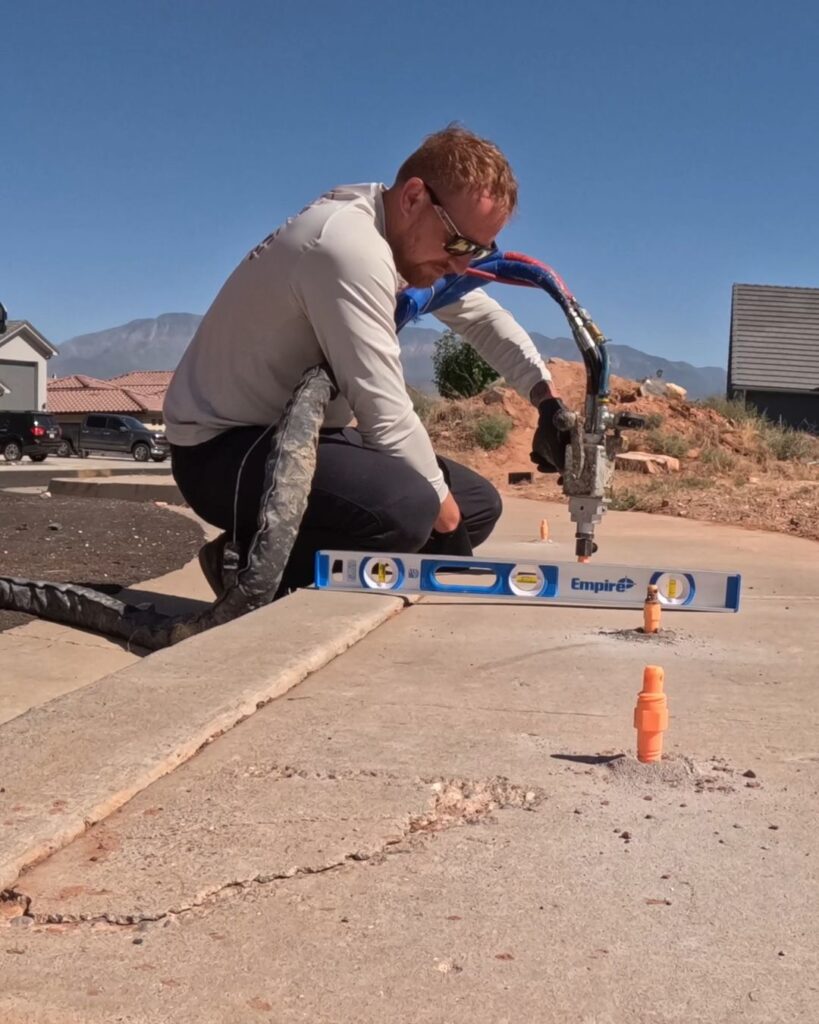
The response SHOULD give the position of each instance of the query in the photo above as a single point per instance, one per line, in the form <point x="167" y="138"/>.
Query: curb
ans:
<point x="74" y="761"/>
<point x="124" y="489"/>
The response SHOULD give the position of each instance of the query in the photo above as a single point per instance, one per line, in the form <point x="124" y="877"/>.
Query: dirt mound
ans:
<point x="100" y="542"/>
<point x="735" y="467"/>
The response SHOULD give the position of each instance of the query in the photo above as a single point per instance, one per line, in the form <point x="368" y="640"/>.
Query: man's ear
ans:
<point x="411" y="195"/>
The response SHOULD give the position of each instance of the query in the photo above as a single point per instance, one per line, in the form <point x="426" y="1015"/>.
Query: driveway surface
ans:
<point x="446" y="824"/>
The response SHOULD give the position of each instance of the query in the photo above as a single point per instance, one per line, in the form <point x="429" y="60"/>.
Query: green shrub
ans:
<point x="663" y="443"/>
<point x="492" y="431"/>
<point x="654" y="420"/>
<point x="458" y="369"/>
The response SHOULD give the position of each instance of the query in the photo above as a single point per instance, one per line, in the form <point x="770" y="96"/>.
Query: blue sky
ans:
<point x="663" y="151"/>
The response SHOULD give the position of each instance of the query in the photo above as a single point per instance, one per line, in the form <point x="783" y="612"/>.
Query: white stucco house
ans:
<point x="24" y="354"/>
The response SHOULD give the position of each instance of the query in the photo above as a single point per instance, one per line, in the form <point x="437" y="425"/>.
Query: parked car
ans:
<point x="105" y="433"/>
<point x="28" y="433"/>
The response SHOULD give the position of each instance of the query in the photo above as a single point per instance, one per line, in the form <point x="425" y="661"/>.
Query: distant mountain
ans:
<point x="139" y="345"/>
<point x="158" y="345"/>
<point x="699" y="381"/>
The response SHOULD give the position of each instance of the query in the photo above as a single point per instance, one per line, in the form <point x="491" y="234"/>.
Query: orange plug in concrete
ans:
<point x="651" y="611"/>
<point x="544" y="529"/>
<point x="651" y="716"/>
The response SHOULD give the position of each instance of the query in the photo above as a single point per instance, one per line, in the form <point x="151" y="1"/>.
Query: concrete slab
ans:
<point x="42" y="660"/>
<point x="509" y="863"/>
<point x="83" y="755"/>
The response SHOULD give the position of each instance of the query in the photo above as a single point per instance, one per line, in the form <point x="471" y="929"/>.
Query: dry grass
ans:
<point x="664" y="442"/>
<point x="453" y="424"/>
<point x="491" y="432"/>
<point x="731" y="409"/>
<point x="718" y="459"/>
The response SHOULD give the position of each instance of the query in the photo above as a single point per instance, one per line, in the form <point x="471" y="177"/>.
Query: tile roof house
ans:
<point x="138" y="394"/>
<point x="155" y="379"/>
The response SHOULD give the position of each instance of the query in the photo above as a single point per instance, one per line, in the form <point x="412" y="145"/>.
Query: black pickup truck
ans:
<point x="106" y="433"/>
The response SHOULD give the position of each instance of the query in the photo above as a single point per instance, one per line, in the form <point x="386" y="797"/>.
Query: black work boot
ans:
<point x="211" y="562"/>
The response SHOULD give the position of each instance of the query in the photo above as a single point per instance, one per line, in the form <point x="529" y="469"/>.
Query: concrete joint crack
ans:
<point x="454" y="802"/>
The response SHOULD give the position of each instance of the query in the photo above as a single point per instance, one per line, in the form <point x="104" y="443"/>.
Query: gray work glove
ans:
<point x="550" y="441"/>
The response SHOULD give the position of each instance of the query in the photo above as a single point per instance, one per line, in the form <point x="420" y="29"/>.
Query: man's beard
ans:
<point x="421" y="275"/>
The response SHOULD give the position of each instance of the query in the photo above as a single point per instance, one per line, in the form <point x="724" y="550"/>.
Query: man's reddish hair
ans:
<point x="458" y="160"/>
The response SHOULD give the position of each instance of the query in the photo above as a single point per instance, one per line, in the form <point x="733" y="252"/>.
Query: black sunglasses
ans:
<point x="458" y="244"/>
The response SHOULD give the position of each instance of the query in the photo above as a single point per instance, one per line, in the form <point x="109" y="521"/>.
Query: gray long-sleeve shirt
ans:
<point x="322" y="288"/>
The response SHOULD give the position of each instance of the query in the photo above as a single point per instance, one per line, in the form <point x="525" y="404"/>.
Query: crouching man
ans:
<point x="322" y="289"/>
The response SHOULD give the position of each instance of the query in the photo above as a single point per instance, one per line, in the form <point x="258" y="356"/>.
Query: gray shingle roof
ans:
<point x="774" y="338"/>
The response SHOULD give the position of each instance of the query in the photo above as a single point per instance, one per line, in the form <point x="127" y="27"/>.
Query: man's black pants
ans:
<point x="361" y="499"/>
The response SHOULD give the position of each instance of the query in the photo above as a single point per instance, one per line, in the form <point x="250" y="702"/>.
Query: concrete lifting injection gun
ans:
<point x="596" y="436"/>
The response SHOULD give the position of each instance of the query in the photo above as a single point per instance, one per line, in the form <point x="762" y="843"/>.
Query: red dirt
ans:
<point x="728" y="475"/>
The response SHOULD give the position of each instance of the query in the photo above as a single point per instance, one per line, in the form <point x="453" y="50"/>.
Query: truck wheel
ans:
<point x="38" y="458"/>
<point x="12" y="451"/>
<point x="141" y="452"/>
<point x="64" y="451"/>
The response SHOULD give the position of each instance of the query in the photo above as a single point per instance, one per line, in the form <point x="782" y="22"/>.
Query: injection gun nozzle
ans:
<point x="585" y="547"/>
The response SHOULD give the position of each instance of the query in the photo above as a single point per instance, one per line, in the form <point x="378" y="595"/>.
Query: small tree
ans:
<point x="459" y="370"/>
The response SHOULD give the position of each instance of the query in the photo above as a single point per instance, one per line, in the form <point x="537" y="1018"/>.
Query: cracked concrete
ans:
<point x="224" y="827"/>
<point x="424" y="886"/>
<point x="80" y="757"/>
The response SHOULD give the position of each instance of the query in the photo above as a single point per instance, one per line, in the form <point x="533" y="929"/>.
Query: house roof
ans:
<point x="774" y="338"/>
<point x="78" y="381"/>
<point x="24" y="329"/>
<point x="143" y="378"/>
<point x="103" y="400"/>
<point x="81" y="394"/>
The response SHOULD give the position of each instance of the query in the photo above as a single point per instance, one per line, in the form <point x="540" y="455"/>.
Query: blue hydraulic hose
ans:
<point x="412" y="303"/>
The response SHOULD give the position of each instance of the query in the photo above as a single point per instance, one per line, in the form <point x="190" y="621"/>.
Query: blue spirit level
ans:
<point x="569" y="583"/>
